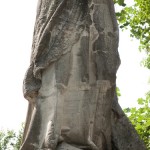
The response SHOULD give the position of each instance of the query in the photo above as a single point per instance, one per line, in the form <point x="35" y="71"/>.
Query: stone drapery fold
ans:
<point x="58" y="26"/>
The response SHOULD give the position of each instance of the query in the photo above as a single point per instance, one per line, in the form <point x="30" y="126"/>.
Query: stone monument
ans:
<point x="71" y="80"/>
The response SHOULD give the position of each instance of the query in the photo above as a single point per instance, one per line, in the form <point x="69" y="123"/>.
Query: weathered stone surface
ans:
<point x="65" y="146"/>
<point x="70" y="84"/>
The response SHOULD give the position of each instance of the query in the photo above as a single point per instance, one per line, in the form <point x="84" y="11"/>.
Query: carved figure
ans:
<point x="70" y="84"/>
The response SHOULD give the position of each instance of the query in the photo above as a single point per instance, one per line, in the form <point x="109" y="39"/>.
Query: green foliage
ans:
<point x="136" y="18"/>
<point x="10" y="140"/>
<point x="118" y="91"/>
<point x="140" y="118"/>
<point x="146" y="62"/>
<point x="120" y="2"/>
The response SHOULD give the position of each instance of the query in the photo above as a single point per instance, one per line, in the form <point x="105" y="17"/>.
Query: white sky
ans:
<point x="16" y="28"/>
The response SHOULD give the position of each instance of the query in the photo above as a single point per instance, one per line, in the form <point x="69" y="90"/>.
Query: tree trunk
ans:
<point x="71" y="82"/>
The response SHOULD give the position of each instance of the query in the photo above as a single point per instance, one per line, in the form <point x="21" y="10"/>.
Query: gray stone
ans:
<point x="71" y="81"/>
<point x="65" y="146"/>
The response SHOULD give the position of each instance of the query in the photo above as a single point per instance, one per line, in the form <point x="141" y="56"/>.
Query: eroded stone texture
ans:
<point x="70" y="84"/>
<point x="65" y="146"/>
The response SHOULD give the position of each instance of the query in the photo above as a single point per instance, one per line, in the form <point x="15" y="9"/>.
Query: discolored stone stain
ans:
<point x="84" y="49"/>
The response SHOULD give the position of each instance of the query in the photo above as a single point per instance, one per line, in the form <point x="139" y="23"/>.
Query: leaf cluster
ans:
<point x="140" y="118"/>
<point x="10" y="140"/>
<point x="136" y="18"/>
<point x="118" y="92"/>
<point x="120" y="2"/>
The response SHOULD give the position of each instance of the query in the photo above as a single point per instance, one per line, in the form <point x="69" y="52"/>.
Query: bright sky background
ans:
<point x="16" y="29"/>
